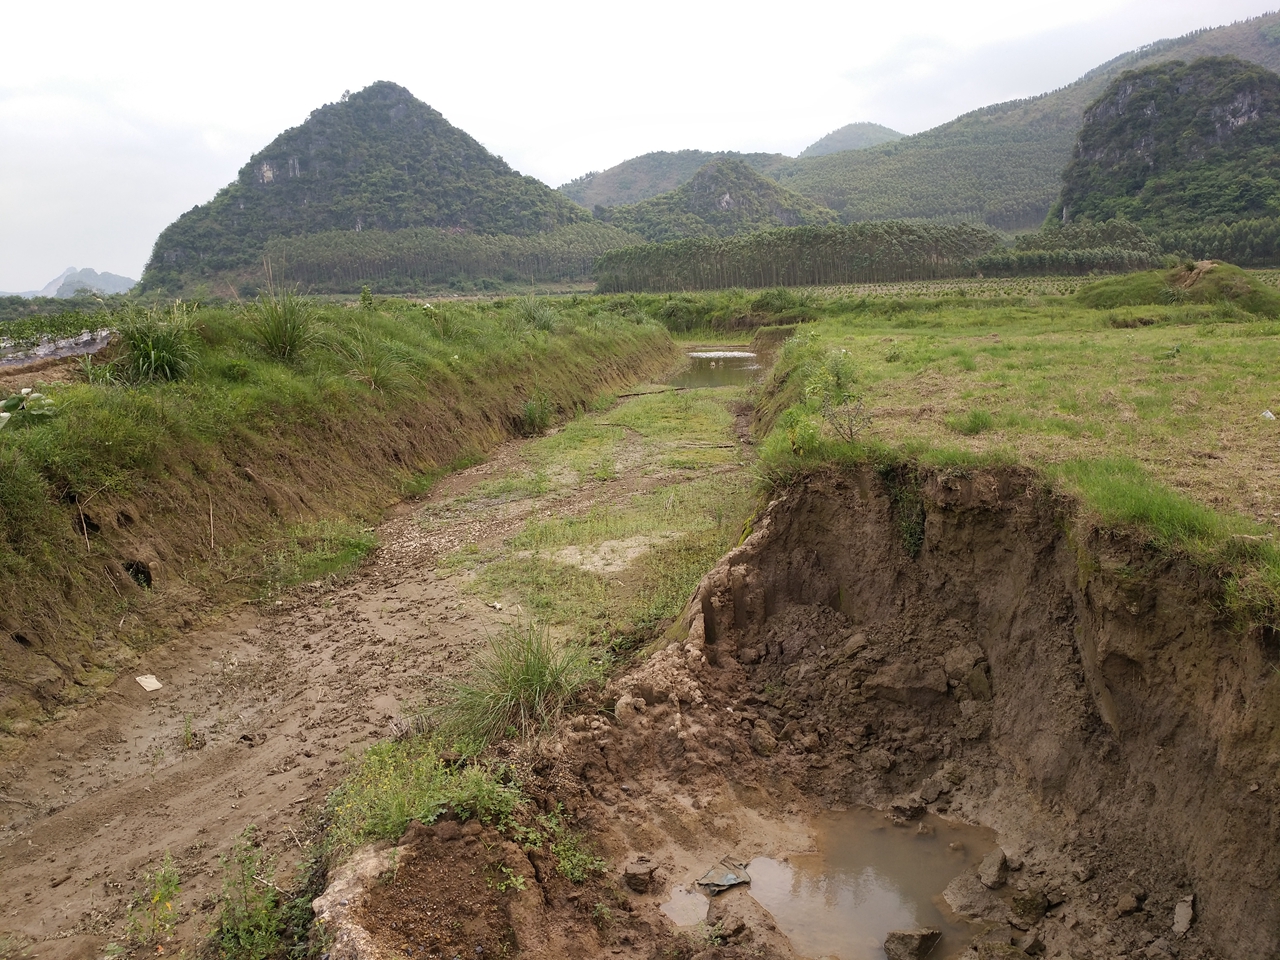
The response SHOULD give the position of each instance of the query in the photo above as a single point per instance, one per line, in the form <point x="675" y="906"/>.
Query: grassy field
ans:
<point x="1154" y="416"/>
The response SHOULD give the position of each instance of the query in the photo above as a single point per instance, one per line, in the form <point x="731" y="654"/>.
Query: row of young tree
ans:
<point x="1246" y="243"/>
<point x="342" y="261"/>
<point x="798" y="256"/>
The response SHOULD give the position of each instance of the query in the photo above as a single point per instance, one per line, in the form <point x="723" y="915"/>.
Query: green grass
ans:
<point x="1149" y="414"/>
<point x="396" y="781"/>
<point x="315" y="550"/>
<point x="516" y="686"/>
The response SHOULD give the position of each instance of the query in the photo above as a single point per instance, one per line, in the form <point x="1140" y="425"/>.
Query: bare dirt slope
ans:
<point x="256" y="715"/>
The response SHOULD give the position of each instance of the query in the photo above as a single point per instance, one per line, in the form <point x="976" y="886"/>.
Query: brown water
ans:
<point x="868" y="877"/>
<point x="718" y="367"/>
<point x="865" y="878"/>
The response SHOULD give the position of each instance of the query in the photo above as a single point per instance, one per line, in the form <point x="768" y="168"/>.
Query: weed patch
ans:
<point x="397" y="781"/>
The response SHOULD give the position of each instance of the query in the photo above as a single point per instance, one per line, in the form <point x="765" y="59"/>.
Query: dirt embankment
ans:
<point x="133" y="570"/>
<point x="1070" y="688"/>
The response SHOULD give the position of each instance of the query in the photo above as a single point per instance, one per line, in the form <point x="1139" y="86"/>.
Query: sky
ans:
<point x="116" y="118"/>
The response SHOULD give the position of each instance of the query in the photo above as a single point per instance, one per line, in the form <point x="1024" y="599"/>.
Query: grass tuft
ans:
<point x="517" y="686"/>
<point x="283" y="324"/>
<point x="157" y="346"/>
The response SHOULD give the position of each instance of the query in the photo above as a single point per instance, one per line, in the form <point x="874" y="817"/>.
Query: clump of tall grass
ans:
<point x="157" y="345"/>
<point x="532" y="312"/>
<point x="535" y="415"/>
<point x="284" y="324"/>
<point x="377" y="365"/>
<point x="518" y="685"/>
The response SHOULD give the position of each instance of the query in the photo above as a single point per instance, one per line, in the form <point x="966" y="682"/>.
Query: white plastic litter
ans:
<point x="149" y="682"/>
<point x="1268" y="415"/>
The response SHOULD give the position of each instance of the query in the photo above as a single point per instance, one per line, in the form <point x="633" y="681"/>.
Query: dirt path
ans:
<point x="256" y="715"/>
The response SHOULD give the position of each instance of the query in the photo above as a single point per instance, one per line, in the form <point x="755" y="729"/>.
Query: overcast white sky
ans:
<point x="117" y="117"/>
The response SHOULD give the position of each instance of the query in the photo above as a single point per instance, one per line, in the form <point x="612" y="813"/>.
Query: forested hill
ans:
<point x="1178" y="145"/>
<point x="376" y="160"/>
<point x="1001" y="164"/>
<point x="852" y="136"/>
<point x="725" y="197"/>
<point x="653" y="173"/>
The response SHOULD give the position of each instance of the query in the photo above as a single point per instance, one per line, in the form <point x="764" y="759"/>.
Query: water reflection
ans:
<point x="867" y="879"/>
<point x="718" y="368"/>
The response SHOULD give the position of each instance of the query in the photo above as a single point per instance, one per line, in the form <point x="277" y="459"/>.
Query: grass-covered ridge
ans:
<point x="1151" y="416"/>
<point x="158" y="487"/>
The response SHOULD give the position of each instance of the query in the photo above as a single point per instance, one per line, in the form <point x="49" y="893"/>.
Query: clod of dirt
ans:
<point x="910" y="944"/>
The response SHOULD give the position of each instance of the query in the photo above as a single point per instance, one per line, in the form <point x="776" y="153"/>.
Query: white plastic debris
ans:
<point x="149" y="682"/>
<point x="1268" y="415"/>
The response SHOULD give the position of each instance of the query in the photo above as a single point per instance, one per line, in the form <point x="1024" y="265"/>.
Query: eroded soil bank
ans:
<point x="1069" y="688"/>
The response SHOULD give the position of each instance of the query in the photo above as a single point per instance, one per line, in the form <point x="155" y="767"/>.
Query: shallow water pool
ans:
<point x="718" y="368"/>
<point x="865" y="878"/>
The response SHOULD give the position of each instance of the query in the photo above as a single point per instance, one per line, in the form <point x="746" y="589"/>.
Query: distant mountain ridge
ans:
<point x="652" y="174"/>
<point x="1000" y="164"/>
<point x="852" y="136"/>
<point x="379" y="159"/>
<point x="725" y="197"/>
<point x="71" y="281"/>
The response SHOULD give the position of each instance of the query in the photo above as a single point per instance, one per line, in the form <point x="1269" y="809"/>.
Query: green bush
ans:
<point x="1186" y="283"/>
<point x="398" y="781"/>
<point x="250" y="925"/>
<point x="972" y="423"/>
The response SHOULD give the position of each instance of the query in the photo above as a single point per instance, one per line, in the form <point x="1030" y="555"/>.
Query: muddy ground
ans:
<point x="994" y="676"/>
<point x="257" y="715"/>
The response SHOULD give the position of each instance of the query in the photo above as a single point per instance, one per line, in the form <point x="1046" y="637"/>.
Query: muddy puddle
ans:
<point x="864" y="878"/>
<point x="731" y="367"/>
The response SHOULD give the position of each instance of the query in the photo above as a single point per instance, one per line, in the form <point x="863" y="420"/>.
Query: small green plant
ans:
<point x="366" y="298"/>
<point x="574" y="861"/>
<point x="505" y="879"/>
<point x="523" y="680"/>
<point x="602" y="917"/>
<point x="249" y="925"/>
<point x="535" y="415"/>
<point x="24" y="408"/>
<point x="191" y="738"/>
<point x="154" y="914"/>
<point x="284" y="324"/>
<point x="157" y="345"/>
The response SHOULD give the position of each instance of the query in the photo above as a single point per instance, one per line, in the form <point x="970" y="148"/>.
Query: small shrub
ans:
<point x="283" y="324"/>
<point x="366" y="298"/>
<point x="532" y="312"/>
<point x="520" y="684"/>
<point x="377" y="366"/>
<point x="398" y="781"/>
<point x="154" y="914"/>
<point x="250" y="926"/>
<point x="157" y="347"/>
